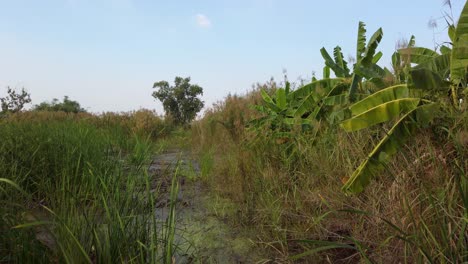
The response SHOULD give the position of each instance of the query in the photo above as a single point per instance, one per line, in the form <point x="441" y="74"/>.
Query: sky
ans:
<point x="106" y="54"/>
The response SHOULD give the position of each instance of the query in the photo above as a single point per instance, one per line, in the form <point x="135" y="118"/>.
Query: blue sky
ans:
<point x="106" y="54"/>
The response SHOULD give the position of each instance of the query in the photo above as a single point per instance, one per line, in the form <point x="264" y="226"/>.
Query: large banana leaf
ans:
<point x="417" y="54"/>
<point x="340" y="99"/>
<point x="340" y="61"/>
<point x="269" y="101"/>
<point x="459" y="60"/>
<point x="381" y="113"/>
<point x="377" y="57"/>
<point x="412" y="42"/>
<point x="353" y="88"/>
<point x="335" y="100"/>
<point x="372" y="47"/>
<point x="320" y="87"/>
<point x="387" y="147"/>
<point x="445" y="50"/>
<point x="369" y="71"/>
<point x="425" y="79"/>
<point x="439" y="64"/>
<point x="338" y="90"/>
<point x="307" y="104"/>
<point x="310" y="95"/>
<point x="379" y="82"/>
<point x="361" y="40"/>
<point x="385" y="95"/>
<point x="396" y="60"/>
<point x="326" y="72"/>
<point x="281" y="98"/>
<point x="337" y="69"/>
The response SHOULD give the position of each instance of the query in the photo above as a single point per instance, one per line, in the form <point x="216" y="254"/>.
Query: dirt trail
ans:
<point x="202" y="232"/>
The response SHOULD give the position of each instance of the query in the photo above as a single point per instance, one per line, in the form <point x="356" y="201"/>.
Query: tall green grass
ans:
<point x="76" y="192"/>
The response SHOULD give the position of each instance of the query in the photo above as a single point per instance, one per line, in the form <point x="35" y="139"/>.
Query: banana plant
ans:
<point x="310" y="98"/>
<point x="324" y="99"/>
<point x="338" y="64"/>
<point x="366" y="66"/>
<point x="399" y="104"/>
<point x="431" y="70"/>
<point x="401" y="67"/>
<point x="459" y="55"/>
<point x="277" y="113"/>
<point x="444" y="71"/>
<point x="288" y="109"/>
<point x="390" y="104"/>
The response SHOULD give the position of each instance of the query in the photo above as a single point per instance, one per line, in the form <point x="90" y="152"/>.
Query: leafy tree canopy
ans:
<point x="181" y="102"/>
<point x="14" y="102"/>
<point x="67" y="105"/>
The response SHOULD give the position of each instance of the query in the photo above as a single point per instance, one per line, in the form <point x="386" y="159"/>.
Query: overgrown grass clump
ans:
<point x="76" y="189"/>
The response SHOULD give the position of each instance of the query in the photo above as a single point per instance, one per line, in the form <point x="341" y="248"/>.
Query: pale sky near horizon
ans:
<point x="107" y="54"/>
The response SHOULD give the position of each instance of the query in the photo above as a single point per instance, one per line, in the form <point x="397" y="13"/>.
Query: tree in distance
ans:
<point x="14" y="102"/>
<point x="67" y="105"/>
<point x="181" y="102"/>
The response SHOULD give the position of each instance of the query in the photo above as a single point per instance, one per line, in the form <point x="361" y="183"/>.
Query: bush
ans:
<point x="67" y="106"/>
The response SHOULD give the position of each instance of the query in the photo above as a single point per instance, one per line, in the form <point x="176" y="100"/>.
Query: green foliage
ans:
<point x="439" y="72"/>
<point x="291" y="192"/>
<point x="380" y="113"/>
<point x="339" y="65"/>
<point x="14" y="102"/>
<point x="428" y="80"/>
<point x="365" y="66"/>
<point x="417" y="55"/>
<point x="430" y="74"/>
<point x="181" y="101"/>
<point x="386" y="105"/>
<point x="326" y="99"/>
<point x="371" y="48"/>
<point x="431" y="70"/>
<point x="366" y="62"/>
<point x="39" y="150"/>
<point x="361" y="40"/>
<point x="77" y="191"/>
<point x="401" y="66"/>
<point x="276" y="113"/>
<point x="459" y="55"/>
<point x="314" y="98"/>
<point x="67" y="106"/>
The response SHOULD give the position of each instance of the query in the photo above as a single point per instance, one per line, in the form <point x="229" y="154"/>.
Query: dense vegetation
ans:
<point x="294" y="159"/>
<point x="77" y="188"/>
<point x="67" y="105"/>
<point x="367" y="164"/>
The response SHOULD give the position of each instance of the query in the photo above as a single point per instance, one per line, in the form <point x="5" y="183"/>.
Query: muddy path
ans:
<point x="203" y="234"/>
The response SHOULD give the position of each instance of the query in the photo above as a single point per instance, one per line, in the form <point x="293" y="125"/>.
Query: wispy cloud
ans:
<point x="203" y="21"/>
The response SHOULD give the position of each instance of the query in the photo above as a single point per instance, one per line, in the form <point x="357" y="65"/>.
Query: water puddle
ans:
<point x="202" y="233"/>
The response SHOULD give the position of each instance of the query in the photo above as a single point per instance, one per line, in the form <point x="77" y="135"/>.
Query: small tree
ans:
<point x="181" y="101"/>
<point x="67" y="105"/>
<point x="14" y="102"/>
